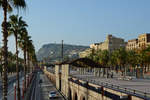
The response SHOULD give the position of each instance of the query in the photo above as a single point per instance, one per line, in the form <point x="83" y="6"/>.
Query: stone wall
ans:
<point x="81" y="90"/>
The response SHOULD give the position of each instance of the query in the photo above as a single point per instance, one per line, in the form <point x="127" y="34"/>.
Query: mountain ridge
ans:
<point x="52" y="51"/>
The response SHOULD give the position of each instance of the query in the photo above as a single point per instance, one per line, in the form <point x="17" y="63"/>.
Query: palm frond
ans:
<point x="10" y="9"/>
<point x="19" y="4"/>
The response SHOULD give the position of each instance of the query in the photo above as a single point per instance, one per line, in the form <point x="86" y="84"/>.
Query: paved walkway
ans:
<point x="135" y="84"/>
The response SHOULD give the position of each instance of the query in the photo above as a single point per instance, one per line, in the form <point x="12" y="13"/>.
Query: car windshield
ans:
<point x="52" y="92"/>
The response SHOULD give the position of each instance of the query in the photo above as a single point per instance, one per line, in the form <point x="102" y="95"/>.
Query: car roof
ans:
<point x="52" y="91"/>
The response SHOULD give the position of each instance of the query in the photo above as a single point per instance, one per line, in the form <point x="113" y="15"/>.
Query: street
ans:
<point x="40" y="91"/>
<point x="46" y="87"/>
<point x="11" y="88"/>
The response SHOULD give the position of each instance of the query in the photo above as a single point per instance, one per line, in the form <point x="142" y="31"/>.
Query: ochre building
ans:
<point x="142" y="41"/>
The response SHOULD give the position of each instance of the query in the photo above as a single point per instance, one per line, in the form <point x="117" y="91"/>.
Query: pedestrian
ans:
<point x="107" y="75"/>
<point x="111" y="74"/>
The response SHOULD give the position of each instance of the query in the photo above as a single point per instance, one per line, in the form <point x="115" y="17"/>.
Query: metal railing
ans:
<point x="30" y="89"/>
<point x="64" y="97"/>
<point x="133" y="92"/>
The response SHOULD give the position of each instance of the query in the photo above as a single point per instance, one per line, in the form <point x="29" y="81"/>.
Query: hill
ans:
<point x="52" y="52"/>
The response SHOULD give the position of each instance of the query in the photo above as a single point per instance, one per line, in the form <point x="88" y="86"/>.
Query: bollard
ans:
<point x="28" y="81"/>
<point x="29" y="78"/>
<point x="102" y="91"/>
<point x="129" y="97"/>
<point x="14" y="91"/>
<point x="23" y="90"/>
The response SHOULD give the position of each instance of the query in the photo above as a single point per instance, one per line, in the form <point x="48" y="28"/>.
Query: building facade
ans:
<point x="132" y="44"/>
<point x="95" y="46"/>
<point x="143" y="41"/>
<point x="85" y="53"/>
<point x="111" y="43"/>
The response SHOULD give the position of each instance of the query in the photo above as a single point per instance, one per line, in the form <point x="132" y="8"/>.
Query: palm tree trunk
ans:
<point x="28" y="61"/>
<point x="5" y="51"/>
<point x="17" y="69"/>
<point x="25" y="69"/>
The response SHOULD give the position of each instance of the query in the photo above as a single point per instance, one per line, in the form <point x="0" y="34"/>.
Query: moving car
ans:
<point x="40" y="81"/>
<point x="52" y="94"/>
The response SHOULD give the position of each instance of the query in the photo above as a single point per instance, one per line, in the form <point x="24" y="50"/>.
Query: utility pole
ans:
<point x="62" y="47"/>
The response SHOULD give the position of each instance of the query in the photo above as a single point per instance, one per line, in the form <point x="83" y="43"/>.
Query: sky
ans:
<point x="83" y="22"/>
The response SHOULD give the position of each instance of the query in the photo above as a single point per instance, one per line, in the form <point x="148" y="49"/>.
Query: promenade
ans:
<point x="140" y="85"/>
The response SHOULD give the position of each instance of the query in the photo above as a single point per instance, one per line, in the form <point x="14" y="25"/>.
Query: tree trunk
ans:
<point x="148" y="67"/>
<point x="5" y="51"/>
<point x="17" y="69"/>
<point x="25" y="69"/>
<point x="125" y="73"/>
<point x="28" y="61"/>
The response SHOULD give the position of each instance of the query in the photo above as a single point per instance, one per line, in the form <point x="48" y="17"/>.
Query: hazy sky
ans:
<point x="84" y="21"/>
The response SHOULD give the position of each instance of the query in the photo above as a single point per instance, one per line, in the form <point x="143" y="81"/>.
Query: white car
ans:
<point x="52" y="94"/>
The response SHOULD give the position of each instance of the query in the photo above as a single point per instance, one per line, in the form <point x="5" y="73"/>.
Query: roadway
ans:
<point x="45" y="87"/>
<point x="12" y="80"/>
<point x="39" y="91"/>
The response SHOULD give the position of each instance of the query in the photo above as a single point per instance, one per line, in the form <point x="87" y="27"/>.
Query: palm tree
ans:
<point x="120" y="58"/>
<point x="143" y="58"/>
<point x="112" y="61"/>
<point x="29" y="44"/>
<point x="16" y="26"/>
<point x="94" y="55"/>
<point x="33" y="56"/>
<point x="30" y="52"/>
<point x="6" y="5"/>
<point x="132" y="59"/>
<point x="103" y="59"/>
<point x="148" y="56"/>
<point x="23" y="45"/>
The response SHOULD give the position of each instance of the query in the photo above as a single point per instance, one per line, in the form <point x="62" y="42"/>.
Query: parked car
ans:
<point x="52" y="94"/>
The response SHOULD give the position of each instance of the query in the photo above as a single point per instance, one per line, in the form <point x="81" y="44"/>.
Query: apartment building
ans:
<point x="111" y="43"/>
<point x="132" y="44"/>
<point x="142" y="41"/>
